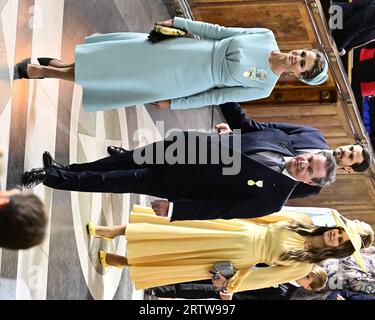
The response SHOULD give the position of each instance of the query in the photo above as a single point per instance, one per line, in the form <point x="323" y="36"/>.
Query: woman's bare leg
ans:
<point x="58" y="64"/>
<point x="110" y="231"/>
<point x="116" y="260"/>
<point x="35" y="71"/>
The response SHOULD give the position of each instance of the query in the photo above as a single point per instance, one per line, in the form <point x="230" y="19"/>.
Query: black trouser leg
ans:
<point x="142" y="181"/>
<point x="356" y="87"/>
<point x="361" y="22"/>
<point x="190" y="290"/>
<point x="122" y="161"/>
<point x="365" y="70"/>
<point x="128" y="160"/>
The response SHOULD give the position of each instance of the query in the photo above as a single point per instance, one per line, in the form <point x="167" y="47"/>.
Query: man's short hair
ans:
<point x="363" y="166"/>
<point x="23" y="222"/>
<point x="331" y="167"/>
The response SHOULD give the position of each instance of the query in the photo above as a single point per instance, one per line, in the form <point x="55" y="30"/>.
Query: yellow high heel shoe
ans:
<point x="103" y="262"/>
<point x="102" y="256"/>
<point x="91" y="231"/>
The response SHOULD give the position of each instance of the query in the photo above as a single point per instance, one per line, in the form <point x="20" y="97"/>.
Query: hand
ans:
<point x="160" y="207"/>
<point x="223" y="128"/>
<point x="340" y="297"/>
<point x="160" y="105"/>
<point x="219" y="280"/>
<point x="224" y="295"/>
<point x="165" y="23"/>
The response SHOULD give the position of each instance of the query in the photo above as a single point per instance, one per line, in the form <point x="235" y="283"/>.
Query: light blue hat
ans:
<point x="320" y="78"/>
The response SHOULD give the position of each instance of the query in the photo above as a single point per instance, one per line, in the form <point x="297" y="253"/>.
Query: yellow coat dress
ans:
<point x="160" y="252"/>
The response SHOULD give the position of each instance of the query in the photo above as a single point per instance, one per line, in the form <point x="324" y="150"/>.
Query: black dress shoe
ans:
<point x="49" y="162"/>
<point x="114" y="151"/>
<point x="32" y="178"/>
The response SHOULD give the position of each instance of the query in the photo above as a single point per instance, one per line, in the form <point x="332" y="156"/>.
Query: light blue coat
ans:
<point x="124" y="69"/>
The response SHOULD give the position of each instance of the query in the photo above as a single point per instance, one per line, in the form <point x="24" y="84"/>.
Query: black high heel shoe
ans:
<point x="46" y="61"/>
<point x="20" y="70"/>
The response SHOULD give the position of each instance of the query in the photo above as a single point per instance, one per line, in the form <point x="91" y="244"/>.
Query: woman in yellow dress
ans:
<point x="160" y="252"/>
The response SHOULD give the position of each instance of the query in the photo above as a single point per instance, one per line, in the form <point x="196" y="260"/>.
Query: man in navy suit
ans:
<point x="286" y="291"/>
<point x="260" y="184"/>
<point x="358" y="25"/>
<point x="348" y="295"/>
<point x="351" y="158"/>
<point x="204" y="289"/>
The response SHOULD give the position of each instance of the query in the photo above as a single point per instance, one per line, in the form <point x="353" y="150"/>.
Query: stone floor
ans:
<point x="43" y="115"/>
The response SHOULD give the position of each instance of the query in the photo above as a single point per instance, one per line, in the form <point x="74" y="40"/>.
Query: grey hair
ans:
<point x="331" y="167"/>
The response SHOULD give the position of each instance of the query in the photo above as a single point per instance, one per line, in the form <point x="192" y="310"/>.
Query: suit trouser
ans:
<point x="134" y="159"/>
<point x="123" y="161"/>
<point x="350" y="9"/>
<point x="142" y="181"/>
<point x="365" y="70"/>
<point x="202" y="289"/>
<point x="361" y="21"/>
<point x="115" y="174"/>
<point x="122" y="174"/>
<point x="205" y="290"/>
<point x="349" y="295"/>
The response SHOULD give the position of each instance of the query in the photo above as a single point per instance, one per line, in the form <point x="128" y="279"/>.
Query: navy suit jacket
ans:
<point x="229" y="196"/>
<point x="349" y="295"/>
<point x="298" y="137"/>
<point x="359" y="26"/>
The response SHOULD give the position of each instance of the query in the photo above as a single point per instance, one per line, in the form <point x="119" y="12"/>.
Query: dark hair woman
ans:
<point x="161" y="252"/>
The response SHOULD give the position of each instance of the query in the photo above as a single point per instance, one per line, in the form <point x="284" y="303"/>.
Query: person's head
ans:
<point x="23" y="220"/>
<point x="334" y="237"/>
<point x="316" y="169"/>
<point x="334" y="242"/>
<point x="315" y="280"/>
<point x="352" y="157"/>
<point x="309" y="65"/>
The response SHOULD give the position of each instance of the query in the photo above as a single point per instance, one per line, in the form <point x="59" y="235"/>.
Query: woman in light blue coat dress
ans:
<point x="229" y="64"/>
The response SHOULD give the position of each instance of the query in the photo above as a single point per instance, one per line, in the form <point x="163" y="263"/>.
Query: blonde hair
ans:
<point x="367" y="234"/>
<point x="319" y="276"/>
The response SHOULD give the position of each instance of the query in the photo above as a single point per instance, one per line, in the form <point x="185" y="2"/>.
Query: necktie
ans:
<point x="275" y="164"/>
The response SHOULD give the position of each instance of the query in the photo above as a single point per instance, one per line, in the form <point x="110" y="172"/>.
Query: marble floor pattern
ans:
<point x="43" y="115"/>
